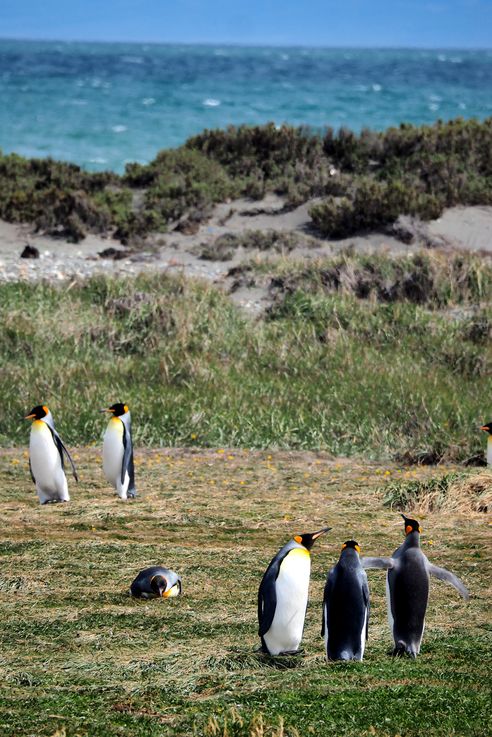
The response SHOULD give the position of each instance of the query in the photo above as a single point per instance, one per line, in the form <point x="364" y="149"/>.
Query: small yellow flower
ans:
<point x="387" y="473"/>
<point x="14" y="461"/>
<point x="221" y="450"/>
<point x="230" y="458"/>
<point x="193" y="436"/>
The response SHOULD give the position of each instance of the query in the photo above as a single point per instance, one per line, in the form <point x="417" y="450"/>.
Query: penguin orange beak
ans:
<point x="29" y="417"/>
<point x="484" y="428"/>
<point x="315" y="535"/>
<point x="106" y="409"/>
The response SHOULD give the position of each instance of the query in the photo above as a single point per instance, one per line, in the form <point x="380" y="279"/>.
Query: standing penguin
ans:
<point x="46" y="461"/>
<point x="407" y="589"/>
<point x="156" y="582"/>
<point x="118" y="451"/>
<point x="283" y="596"/>
<point x="346" y="607"/>
<point x="488" y="429"/>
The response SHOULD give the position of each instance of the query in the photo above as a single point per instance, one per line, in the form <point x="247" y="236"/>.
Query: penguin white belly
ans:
<point x="292" y="587"/>
<point x="489" y="451"/>
<point x="51" y="483"/>
<point x="113" y="452"/>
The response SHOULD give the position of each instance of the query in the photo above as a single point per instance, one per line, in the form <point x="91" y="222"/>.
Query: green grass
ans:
<point x="79" y="657"/>
<point x="325" y="369"/>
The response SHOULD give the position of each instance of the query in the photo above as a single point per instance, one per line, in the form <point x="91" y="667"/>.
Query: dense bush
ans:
<point x="369" y="179"/>
<point x="374" y="204"/>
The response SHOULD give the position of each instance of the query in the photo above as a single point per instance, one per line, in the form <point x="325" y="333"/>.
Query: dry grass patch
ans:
<point x="455" y="493"/>
<point x="77" y="653"/>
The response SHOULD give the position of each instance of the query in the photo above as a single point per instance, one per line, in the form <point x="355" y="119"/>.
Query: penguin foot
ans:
<point x="401" y="650"/>
<point x="290" y="653"/>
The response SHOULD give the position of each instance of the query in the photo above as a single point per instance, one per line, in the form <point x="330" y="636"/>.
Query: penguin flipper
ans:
<point x="63" y="450"/>
<point x="384" y="563"/>
<point x="365" y="595"/>
<point x="445" y="575"/>
<point x="127" y="465"/>
<point x="267" y="597"/>
<point x="30" y="471"/>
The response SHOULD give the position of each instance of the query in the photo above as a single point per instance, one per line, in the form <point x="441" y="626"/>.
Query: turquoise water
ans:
<point x="103" y="105"/>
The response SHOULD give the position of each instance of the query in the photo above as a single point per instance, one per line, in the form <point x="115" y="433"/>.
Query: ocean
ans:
<point x="104" y="105"/>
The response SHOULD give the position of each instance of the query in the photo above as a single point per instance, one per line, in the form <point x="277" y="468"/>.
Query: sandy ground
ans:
<point x="460" y="228"/>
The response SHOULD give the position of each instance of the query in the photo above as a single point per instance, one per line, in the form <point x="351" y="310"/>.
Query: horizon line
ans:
<point x="249" y="44"/>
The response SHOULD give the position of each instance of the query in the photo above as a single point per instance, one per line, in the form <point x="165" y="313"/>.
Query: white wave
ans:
<point x="376" y="88"/>
<point x="148" y="101"/>
<point x="442" y="57"/>
<point x="433" y="106"/>
<point x="462" y="106"/>
<point x="118" y="128"/>
<point x="435" y="98"/>
<point x="211" y="102"/>
<point x="98" y="160"/>
<point x="132" y="59"/>
<point x="77" y="102"/>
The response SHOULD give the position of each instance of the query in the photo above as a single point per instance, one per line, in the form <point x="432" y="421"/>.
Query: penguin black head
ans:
<point x="38" y="412"/>
<point x="487" y="428"/>
<point x="351" y="544"/>
<point x="117" y="409"/>
<point x="411" y="525"/>
<point x="158" y="584"/>
<point x="308" y="539"/>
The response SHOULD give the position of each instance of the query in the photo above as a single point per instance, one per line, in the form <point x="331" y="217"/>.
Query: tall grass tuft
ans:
<point x="327" y="370"/>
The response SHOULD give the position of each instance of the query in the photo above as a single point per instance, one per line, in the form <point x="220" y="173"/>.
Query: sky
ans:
<point x="394" y="23"/>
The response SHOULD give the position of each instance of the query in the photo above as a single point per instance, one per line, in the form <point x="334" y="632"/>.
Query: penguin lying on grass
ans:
<point x="345" y="620"/>
<point x="488" y="429"/>
<point x="46" y="461"/>
<point x="118" y="451"/>
<point x="283" y="596"/>
<point x="407" y="589"/>
<point x="156" y="582"/>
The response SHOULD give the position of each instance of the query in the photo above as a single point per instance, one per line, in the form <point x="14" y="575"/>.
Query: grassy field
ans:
<point x="79" y="657"/>
<point x="389" y="358"/>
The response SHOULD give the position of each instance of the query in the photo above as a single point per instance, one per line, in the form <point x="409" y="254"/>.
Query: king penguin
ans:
<point x="346" y="607"/>
<point x="488" y="429"/>
<point x="156" y="582"/>
<point x="407" y="589"/>
<point x="46" y="461"/>
<point x="283" y="596"/>
<point x="118" y="451"/>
